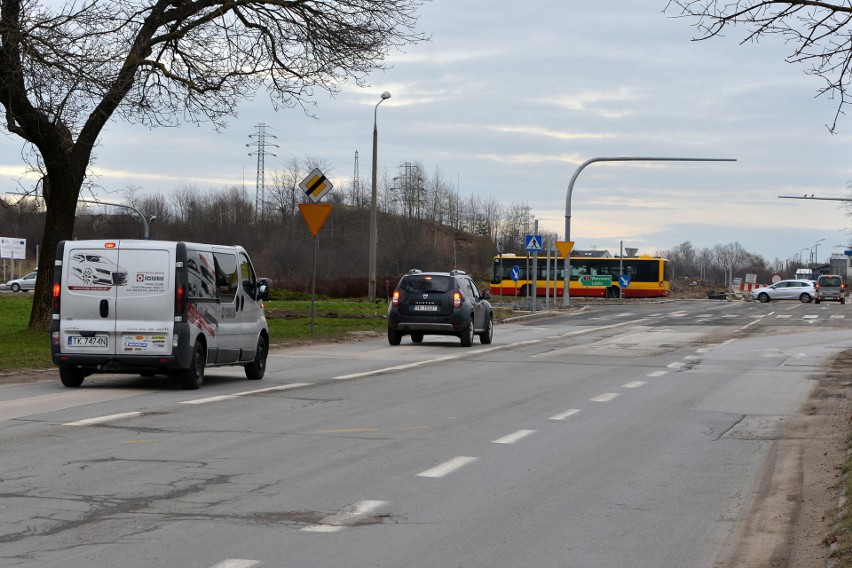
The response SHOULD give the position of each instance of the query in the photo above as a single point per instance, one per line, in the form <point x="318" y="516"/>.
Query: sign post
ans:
<point x="564" y="248"/>
<point x="314" y="216"/>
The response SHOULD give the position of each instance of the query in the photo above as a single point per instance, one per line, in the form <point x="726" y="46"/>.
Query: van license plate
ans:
<point x="80" y="341"/>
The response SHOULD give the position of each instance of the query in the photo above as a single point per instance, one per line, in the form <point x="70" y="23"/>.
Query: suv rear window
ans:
<point x="427" y="283"/>
<point x="831" y="281"/>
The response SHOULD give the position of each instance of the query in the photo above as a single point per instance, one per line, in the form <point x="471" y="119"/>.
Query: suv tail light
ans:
<point x="395" y="300"/>
<point x="457" y="299"/>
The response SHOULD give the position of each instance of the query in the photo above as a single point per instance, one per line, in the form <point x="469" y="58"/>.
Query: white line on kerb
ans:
<point x="447" y="467"/>
<point x="565" y="414"/>
<point x="606" y="397"/>
<point x="245" y="393"/>
<point x="102" y="419"/>
<point x="512" y="438"/>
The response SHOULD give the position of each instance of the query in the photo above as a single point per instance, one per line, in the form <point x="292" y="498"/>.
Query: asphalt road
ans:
<point x="623" y="435"/>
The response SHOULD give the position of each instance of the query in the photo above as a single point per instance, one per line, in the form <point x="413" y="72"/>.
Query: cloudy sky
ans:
<point x="509" y="104"/>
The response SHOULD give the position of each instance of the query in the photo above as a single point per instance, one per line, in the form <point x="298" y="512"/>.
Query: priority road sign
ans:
<point x="316" y="185"/>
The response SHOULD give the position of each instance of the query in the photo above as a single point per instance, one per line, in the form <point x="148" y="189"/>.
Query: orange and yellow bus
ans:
<point x="646" y="277"/>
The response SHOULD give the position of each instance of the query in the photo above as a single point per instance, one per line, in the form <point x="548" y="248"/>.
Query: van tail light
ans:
<point x="57" y="289"/>
<point x="180" y="300"/>
<point x="395" y="300"/>
<point x="457" y="299"/>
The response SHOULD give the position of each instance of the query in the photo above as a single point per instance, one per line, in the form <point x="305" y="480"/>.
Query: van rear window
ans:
<point x="831" y="281"/>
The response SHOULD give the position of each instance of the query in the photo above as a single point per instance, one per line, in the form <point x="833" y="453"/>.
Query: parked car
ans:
<point x="802" y="290"/>
<point x="23" y="284"/>
<point x="439" y="303"/>
<point x="830" y="287"/>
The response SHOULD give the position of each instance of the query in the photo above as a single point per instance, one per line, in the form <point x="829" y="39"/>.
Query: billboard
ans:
<point x="16" y="249"/>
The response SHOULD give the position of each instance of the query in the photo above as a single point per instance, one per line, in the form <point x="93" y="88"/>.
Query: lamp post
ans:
<point x="373" y="228"/>
<point x="815" y="250"/>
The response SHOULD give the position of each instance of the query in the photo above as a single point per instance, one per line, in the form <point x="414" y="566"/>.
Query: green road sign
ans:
<point x="597" y="280"/>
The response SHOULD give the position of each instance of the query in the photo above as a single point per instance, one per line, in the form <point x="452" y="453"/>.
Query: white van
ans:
<point x="156" y="307"/>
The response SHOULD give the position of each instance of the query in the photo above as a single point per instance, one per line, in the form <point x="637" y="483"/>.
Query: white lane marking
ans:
<point x="102" y="419"/>
<point x="396" y="368"/>
<point x="783" y="316"/>
<point x="634" y="385"/>
<point x="565" y="414"/>
<point x="676" y="365"/>
<point x="704" y="316"/>
<point x="837" y="317"/>
<point x="245" y="393"/>
<point x="512" y="438"/>
<point x="447" y="467"/>
<point x="477" y="352"/>
<point x="347" y="517"/>
<point x="606" y="397"/>
<point x="237" y="563"/>
<point x="810" y="316"/>
<point x="657" y="373"/>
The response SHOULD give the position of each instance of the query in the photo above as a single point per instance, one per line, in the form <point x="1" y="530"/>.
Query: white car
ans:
<point x="22" y="284"/>
<point x="802" y="290"/>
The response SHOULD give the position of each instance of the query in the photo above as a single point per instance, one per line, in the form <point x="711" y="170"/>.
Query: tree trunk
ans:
<point x="60" y="196"/>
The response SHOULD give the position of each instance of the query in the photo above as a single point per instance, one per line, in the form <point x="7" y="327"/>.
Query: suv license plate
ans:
<point x="80" y="341"/>
<point x="426" y="308"/>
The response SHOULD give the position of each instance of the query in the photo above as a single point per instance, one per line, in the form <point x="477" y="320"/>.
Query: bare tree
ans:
<point x="66" y="68"/>
<point x="818" y="33"/>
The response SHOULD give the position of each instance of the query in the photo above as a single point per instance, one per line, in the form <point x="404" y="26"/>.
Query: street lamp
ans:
<point x="373" y="228"/>
<point x="815" y="250"/>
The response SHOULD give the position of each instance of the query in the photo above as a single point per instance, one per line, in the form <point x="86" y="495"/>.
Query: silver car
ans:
<point x="802" y="290"/>
<point x="22" y="284"/>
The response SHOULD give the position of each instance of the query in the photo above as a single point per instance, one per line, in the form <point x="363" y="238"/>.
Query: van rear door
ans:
<point x="144" y="313"/>
<point x="118" y="298"/>
<point x="91" y="277"/>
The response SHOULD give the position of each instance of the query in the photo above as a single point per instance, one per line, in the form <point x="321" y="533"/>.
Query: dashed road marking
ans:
<point x="245" y="393"/>
<point x="634" y="385"/>
<point x="512" y="438"/>
<point x="102" y="419"/>
<point x="606" y="397"/>
<point x="237" y="563"/>
<point x="447" y="467"/>
<point x="565" y="414"/>
<point x="347" y="517"/>
<point x="657" y="373"/>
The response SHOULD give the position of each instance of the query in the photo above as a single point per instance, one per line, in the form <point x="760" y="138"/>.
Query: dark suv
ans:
<point x="439" y="303"/>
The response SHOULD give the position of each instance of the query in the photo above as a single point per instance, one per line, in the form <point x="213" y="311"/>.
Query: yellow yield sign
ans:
<point x="564" y="248"/>
<point x="315" y="215"/>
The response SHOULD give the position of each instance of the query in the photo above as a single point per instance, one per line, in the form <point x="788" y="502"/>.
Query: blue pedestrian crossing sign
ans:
<point x="533" y="243"/>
